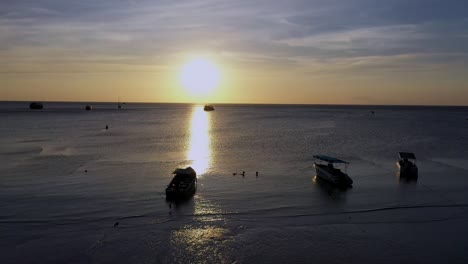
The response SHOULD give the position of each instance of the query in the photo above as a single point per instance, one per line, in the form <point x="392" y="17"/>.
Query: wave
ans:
<point x="56" y="151"/>
<point x="456" y="163"/>
<point x="23" y="151"/>
<point x="248" y="216"/>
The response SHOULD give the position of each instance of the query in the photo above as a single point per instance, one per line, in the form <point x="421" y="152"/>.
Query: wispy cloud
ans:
<point x="143" y="28"/>
<point x="386" y="37"/>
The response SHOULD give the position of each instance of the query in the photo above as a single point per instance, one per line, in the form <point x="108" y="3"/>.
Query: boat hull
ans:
<point x="334" y="176"/>
<point x="178" y="193"/>
<point x="407" y="169"/>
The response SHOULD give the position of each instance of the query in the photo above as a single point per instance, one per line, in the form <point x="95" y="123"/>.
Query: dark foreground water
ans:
<point x="65" y="181"/>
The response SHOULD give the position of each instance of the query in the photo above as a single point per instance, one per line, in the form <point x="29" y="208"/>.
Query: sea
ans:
<point x="72" y="191"/>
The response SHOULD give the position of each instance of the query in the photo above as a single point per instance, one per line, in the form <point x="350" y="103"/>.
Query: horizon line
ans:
<point x="194" y="103"/>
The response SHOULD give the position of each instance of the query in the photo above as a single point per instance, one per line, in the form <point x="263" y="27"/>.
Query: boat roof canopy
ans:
<point x="330" y="159"/>
<point x="406" y="155"/>
<point x="187" y="170"/>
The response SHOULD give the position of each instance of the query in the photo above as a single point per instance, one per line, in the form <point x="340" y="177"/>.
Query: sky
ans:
<point x="409" y="52"/>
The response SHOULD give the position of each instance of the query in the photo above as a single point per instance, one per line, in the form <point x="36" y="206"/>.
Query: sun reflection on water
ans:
<point x="204" y="244"/>
<point x="205" y="239"/>
<point x="200" y="148"/>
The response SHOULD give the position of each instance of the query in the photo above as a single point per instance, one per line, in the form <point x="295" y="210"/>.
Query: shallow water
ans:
<point x="65" y="181"/>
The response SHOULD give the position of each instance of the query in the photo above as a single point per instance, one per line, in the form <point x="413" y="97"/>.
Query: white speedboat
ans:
<point x="407" y="164"/>
<point x="324" y="167"/>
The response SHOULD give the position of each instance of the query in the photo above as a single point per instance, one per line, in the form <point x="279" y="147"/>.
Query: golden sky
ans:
<point x="302" y="52"/>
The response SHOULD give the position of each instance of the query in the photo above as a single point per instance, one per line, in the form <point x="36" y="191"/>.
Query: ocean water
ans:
<point x="65" y="181"/>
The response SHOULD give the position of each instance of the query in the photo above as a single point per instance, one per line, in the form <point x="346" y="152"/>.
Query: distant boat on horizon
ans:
<point x="36" y="105"/>
<point x="208" y="108"/>
<point x="89" y="107"/>
<point x="119" y="104"/>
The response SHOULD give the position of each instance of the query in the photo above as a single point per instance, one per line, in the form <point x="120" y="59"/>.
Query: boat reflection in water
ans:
<point x="200" y="149"/>
<point x="406" y="179"/>
<point x="330" y="191"/>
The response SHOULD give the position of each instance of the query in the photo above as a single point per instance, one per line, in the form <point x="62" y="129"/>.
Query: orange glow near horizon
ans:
<point x="238" y="82"/>
<point x="199" y="152"/>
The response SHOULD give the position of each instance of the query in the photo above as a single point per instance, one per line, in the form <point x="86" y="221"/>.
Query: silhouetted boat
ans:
<point x="36" y="105"/>
<point x="119" y="104"/>
<point x="329" y="172"/>
<point x="208" y="108"/>
<point x="407" y="164"/>
<point x="89" y="107"/>
<point x="183" y="185"/>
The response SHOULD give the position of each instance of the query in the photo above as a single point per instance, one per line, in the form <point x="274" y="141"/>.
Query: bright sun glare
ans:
<point x="200" y="76"/>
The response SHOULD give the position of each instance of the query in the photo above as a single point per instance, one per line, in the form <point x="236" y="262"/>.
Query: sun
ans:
<point x="200" y="76"/>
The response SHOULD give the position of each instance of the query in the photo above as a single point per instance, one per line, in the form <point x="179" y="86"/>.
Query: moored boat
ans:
<point x="208" y="108"/>
<point x="324" y="167"/>
<point x="183" y="185"/>
<point x="407" y="164"/>
<point x="36" y="105"/>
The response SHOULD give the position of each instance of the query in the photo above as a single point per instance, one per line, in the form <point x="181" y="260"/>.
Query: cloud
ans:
<point x="291" y="34"/>
<point x="362" y="38"/>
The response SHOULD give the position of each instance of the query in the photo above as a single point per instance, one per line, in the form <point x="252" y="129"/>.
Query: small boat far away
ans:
<point x="36" y="105"/>
<point x="329" y="172"/>
<point x="183" y="185"/>
<point x="407" y="164"/>
<point x="89" y="107"/>
<point x="119" y="104"/>
<point x="208" y="108"/>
